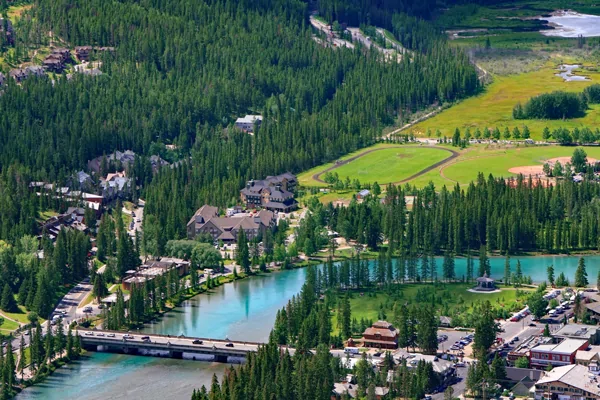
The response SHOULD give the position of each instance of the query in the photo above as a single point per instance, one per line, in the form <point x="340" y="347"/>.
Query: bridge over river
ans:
<point x="166" y="345"/>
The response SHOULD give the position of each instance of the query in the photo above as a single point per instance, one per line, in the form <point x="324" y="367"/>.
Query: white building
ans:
<point x="247" y="123"/>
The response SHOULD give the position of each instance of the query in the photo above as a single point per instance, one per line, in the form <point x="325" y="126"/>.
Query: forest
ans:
<point x="505" y="216"/>
<point x="555" y="105"/>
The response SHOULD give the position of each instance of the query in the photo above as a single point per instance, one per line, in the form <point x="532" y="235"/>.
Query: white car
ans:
<point x="89" y="334"/>
<point x="110" y="335"/>
<point x="100" y="334"/>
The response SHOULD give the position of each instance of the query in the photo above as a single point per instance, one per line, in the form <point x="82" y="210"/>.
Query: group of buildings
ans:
<point x="151" y="269"/>
<point x="564" y="366"/>
<point x="262" y="200"/>
<point x="57" y="60"/>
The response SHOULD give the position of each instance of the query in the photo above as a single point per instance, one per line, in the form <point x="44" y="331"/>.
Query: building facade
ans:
<point x="226" y="229"/>
<point x="275" y="193"/>
<point x="381" y="335"/>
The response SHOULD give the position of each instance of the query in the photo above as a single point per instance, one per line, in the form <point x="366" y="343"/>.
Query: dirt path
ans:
<point x="453" y="155"/>
<point x="416" y="121"/>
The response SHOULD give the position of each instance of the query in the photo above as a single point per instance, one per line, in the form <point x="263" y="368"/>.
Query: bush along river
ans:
<point x="242" y="310"/>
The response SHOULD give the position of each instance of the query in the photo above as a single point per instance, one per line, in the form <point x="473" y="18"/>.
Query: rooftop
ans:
<point x="567" y="346"/>
<point x="577" y="330"/>
<point x="576" y="376"/>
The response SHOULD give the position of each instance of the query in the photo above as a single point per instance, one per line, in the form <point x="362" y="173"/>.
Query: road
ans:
<point x="138" y="217"/>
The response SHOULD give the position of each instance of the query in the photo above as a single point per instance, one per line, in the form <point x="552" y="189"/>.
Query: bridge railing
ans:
<point x="172" y="336"/>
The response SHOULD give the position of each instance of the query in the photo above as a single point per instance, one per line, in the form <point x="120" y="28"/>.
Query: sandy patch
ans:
<point x="532" y="170"/>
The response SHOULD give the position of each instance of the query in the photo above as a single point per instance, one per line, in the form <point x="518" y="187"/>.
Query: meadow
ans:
<point x="493" y="107"/>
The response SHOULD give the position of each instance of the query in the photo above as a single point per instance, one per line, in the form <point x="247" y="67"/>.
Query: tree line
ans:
<point x="505" y="216"/>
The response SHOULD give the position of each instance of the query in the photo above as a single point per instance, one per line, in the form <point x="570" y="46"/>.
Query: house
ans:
<point x="588" y="356"/>
<point x="521" y="380"/>
<point x="556" y="355"/>
<point x="350" y="389"/>
<point x="485" y="284"/>
<point x="362" y="194"/>
<point x="569" y="382"/>
<point x="381" y="335"/>
<point x="579" y="331"/>
<point x="275" y="193"/>
<point x="35" y="70"/>
<point x="18" y="74"/>
<point x="152" y="269"/>
<point x="52" y="64"/>
<point x="207" y="221"/>
<point x="81" y="181"/>
<point x="248" y="123"/>
<point x="83" y="52"/>
<point x="444" y="369"/>
<point x="445" y="322"/>
<point x="116" y="185"/>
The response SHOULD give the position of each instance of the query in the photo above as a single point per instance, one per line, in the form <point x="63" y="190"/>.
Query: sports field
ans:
<point x="493" y="108"/>
<point x="381" y="163"/>
<point x="463" y="169"/>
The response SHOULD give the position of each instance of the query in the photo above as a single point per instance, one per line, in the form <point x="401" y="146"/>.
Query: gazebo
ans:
<point x="485" y="284"/>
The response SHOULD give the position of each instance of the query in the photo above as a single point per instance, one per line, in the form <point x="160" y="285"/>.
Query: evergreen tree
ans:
<point x="581" y="274"/>
<point x="243" y="253"/>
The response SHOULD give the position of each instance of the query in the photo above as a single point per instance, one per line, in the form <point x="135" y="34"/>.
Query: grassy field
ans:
<point x="493" y="108"/>
<point x="368" y="304"/>
<point x="498" y="161"/>
<point x="487" y="159"/>
<point x="385" y="164"/>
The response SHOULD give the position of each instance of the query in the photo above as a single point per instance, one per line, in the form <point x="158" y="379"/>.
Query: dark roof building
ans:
<point x="275" y="193"/>
<point x="207" y="221"/>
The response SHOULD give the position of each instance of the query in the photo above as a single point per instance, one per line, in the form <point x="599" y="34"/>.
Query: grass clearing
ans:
<point x="493" y="108"/>
<point x="384" y="163"/>
<point x="451" y="299"/>
<point x="20" y="316"/>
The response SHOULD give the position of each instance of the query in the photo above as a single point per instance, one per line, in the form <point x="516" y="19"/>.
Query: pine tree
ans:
<point x="507" y="272"/>
<point x="243" y="253"/>
<point x="22" y="357"/>
<point x="550" y="271"/>
<point x="8" y="302"/>
<point x="581" y="274"/>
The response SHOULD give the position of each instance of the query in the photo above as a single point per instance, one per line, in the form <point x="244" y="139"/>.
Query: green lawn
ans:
<point x="493" y="108"/>
<point x="19" y="316"/>
<point x="8" y="326"/>
<point x="387" y="164"/>
<point x="368" y="304"/>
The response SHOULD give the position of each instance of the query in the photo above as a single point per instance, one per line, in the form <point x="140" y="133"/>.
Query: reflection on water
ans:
<point x="566" y="72"/>
<point x="244" y="310"/>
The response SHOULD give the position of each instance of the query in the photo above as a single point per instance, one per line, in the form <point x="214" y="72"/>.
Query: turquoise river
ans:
<point x="243" y="310"/>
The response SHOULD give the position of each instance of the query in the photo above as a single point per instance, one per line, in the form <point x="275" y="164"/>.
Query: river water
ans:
<point x="571" y="24"/>
<point x="243" y="310"/>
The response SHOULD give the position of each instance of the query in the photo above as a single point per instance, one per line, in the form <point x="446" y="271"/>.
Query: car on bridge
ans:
<point x="229" y="344"/>
<point x="127" y="337"/>
<point x="197" y="341"/>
